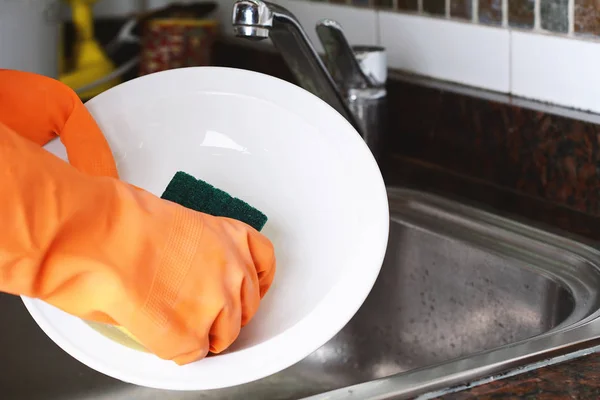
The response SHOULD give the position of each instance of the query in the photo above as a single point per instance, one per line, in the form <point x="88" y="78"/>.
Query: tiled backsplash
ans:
<point x="536" y="49"/>
<point x="568" y="17"/>
<point x="545" y="50"/>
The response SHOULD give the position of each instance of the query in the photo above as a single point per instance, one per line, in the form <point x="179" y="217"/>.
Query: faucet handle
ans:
<point x="342" y="62"/>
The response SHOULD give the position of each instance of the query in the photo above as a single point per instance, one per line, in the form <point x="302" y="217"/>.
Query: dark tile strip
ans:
<point x="554" y="15"/>
<point x="587" y="17"/>
<point x="385" y="4"/>
<point x="434" y="7"/>
<point x="490" y="12"/>
<point x="408" y="5"/>
<point x="462" y="9"/>
<point x="520" y="13"/>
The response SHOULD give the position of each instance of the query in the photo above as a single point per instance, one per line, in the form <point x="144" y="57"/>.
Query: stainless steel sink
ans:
<point x="462" y="294"/>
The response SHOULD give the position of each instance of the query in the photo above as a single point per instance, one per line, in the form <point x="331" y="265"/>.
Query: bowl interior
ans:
<point x="284" y="152"/>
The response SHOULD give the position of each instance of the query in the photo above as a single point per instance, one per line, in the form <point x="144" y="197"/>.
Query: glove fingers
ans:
<point x="250" y="295"/>
<point x="199" y="352"/>
<point x="263" y="256"/>
<point x="227" y="325"/>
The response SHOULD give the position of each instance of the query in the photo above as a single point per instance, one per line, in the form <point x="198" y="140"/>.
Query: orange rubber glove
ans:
<point x="40" y="108"/>
<point x="182" y="282"/>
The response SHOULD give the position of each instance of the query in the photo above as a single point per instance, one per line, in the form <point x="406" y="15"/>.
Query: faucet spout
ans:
<point x="258" y="19"/>
<point x="358" y="94"/>
<point x="252" y="19"/>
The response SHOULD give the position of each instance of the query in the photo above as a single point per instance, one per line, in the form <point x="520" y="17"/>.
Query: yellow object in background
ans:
<point x="90" y="61"/>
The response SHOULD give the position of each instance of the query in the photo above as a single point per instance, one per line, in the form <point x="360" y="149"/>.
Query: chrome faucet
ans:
<point x="353" y="82"/>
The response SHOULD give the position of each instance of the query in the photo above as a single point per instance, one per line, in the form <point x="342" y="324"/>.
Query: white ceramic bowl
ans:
<point x="282" y="150"/>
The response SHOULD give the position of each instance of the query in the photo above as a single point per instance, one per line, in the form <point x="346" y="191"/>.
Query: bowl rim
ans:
<point x="301" y="339"/>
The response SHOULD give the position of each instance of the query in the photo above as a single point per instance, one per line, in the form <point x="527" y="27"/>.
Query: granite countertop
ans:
<point x="578" y="378"/>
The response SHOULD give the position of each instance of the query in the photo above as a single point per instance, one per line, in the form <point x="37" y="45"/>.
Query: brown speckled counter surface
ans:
<point x="577" y="379"/>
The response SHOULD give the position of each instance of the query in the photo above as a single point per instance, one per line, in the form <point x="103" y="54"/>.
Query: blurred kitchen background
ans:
<point x="544" y="50"/>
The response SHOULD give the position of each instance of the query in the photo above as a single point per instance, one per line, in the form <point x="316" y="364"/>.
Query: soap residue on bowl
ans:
<point x="117" y="334"/>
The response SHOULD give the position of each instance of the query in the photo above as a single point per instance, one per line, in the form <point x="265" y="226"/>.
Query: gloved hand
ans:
<point x="182" y="282"/>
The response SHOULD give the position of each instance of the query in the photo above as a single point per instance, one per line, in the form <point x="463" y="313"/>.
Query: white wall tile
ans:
<point x="115" y="8"/>
<point x="556" y="70"/>
<point x="460" y="52"/>
<point x="360" y="25"/>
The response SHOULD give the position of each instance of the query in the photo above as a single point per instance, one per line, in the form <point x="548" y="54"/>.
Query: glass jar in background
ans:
<point x="176" y="43"/>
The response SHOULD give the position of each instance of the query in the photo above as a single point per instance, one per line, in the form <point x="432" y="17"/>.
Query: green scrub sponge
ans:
<point x="198" y="195"/>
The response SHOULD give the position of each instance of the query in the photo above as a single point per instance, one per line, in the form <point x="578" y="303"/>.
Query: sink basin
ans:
<point x="462" y="294"/>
